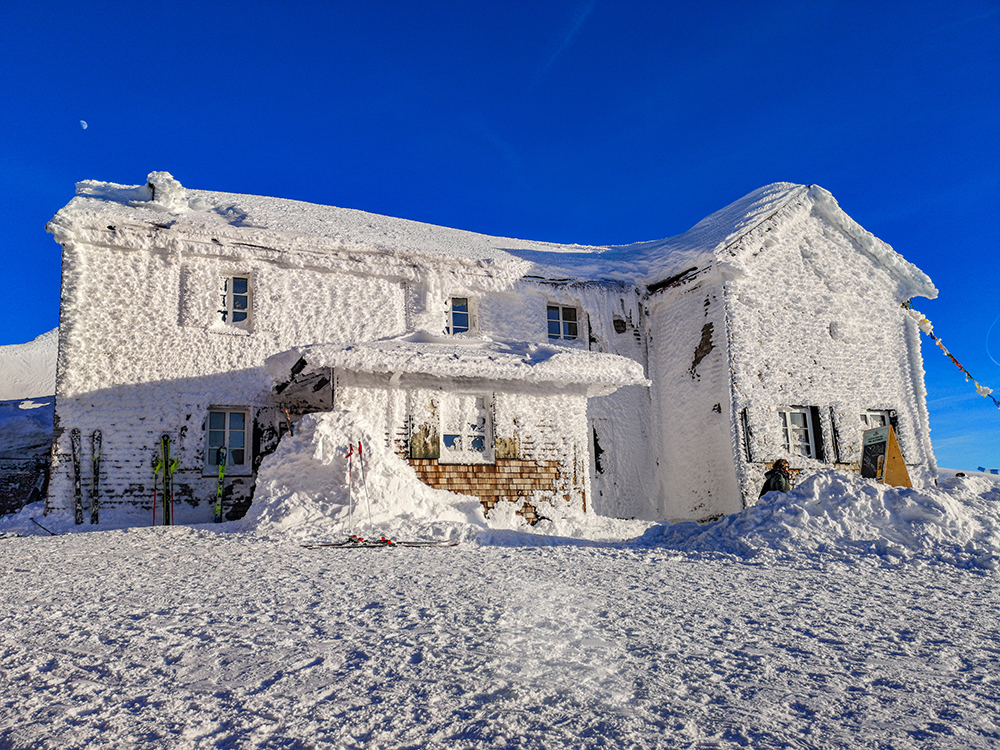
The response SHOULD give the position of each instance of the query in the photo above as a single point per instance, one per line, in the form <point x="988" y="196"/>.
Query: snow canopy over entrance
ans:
<point x="465" y="358"/>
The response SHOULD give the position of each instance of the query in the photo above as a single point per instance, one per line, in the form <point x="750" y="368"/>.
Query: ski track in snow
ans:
<point x="190" y="638"/>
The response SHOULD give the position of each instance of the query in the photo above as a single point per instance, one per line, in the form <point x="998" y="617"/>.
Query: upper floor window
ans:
<point x="236" y="292"/>
<point x="458" y="315"/>
<point x="227" y="428"/>
<point x="563" y="322"/>
<point x="798" y="434"/>
<point x="466" y="429"/>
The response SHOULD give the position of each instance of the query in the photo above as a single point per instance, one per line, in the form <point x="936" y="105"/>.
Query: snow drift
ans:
<point x="305" y="491"/>
<point x="311" y="489"/>
<point x="843" y="516"/>
<point x="29" y="370"/>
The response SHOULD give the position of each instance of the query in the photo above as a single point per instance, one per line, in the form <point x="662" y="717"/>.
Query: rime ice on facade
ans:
<point x="655" y="380"/>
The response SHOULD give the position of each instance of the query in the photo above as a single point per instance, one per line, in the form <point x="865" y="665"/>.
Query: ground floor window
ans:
<point x="466" y="429"/>
<point x="798" y="433"/>
<point x="874" y="418"/>
<point x="227" y="428"/>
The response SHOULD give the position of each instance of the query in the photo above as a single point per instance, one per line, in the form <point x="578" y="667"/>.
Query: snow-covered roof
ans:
<point x="279" y="223"/>
<point x="464" y="358"/>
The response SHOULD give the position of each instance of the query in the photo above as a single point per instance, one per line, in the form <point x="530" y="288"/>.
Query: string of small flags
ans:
<point x="926" y="327"/>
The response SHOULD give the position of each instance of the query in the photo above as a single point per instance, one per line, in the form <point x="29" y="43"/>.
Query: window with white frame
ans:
<point x="459" y="315"/>
<point x="563" y="322"/>
<point x="798" y="434"/>
<point x="236" y="299"/>
<point x="874" y="418"/>
<point x="228" y="428"/>
<point x="466" y="429"/>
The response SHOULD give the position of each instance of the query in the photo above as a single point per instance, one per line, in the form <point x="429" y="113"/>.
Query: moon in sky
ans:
<point x="83" y="124"/>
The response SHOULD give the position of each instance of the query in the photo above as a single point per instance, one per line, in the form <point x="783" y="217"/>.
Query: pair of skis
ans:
<point x="223" y="454"/>
<point x="356" y="542"/>
<point x="166" y="465"/>
<point x="95" y="505"/>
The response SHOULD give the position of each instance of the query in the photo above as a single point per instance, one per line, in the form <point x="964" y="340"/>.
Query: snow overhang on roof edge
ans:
<point x="280" y="224"/>
<point x="452" y="358"/>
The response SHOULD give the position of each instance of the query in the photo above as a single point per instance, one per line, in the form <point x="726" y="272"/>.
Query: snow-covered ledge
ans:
<point x="451" y="357"/>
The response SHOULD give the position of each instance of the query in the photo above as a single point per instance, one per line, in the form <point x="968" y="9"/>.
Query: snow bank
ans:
<point x="29" y="370"/>
<point x="303" y="496"/>
<point x="304" y="491"/>
<point x="308" y="488"/>
<point x="844" y="516"/>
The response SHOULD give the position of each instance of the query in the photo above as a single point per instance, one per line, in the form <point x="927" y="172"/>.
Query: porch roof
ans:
<point x="461" y="358"/>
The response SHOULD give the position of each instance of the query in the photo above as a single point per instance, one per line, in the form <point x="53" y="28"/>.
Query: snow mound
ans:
<point x="309" y="490"/>
<point x="29" y="370"/>
<point x="843" y="516"/>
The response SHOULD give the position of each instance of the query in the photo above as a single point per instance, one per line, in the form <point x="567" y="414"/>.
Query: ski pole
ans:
<point x="156" y="480"/>
<point x="350" y="486"/>
<point x="173" y="468"/>
<point x="364" y="482"/>
<point x="42" y="527"/>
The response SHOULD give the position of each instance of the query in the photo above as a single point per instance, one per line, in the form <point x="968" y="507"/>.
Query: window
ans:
<point x="874" y="418"/>
<point x="227" y="428"/>
<point x="236" y="301"/>
<point x="797" y="431"/>
<point x="563" y="322"/>
<point x="466" y="429"/>
<point x="458" y="315"/>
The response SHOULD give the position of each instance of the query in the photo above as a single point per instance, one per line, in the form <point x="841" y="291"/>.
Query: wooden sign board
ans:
<point x="881" y="458"/>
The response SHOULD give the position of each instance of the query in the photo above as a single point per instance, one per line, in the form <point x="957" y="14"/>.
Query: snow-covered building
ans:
<point x="656" y="380"/>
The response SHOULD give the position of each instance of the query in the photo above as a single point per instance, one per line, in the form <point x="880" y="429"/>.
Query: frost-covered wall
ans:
<point x="611" y="321"/>
<point x="816" y="322"/>
<point x="689" y="367"/>
<point x="144" y="352"/>
<point x="536" y="449"/>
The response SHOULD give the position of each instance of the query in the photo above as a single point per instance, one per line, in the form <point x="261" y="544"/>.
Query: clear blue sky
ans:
<point x="590" y="121"/>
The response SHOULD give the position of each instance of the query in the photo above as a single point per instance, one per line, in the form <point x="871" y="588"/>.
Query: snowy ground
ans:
<point x="843" y="614"/>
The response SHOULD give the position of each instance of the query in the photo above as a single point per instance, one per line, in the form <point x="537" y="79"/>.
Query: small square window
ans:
<point x="563" y="323"/>
<point x="458" y="315"/>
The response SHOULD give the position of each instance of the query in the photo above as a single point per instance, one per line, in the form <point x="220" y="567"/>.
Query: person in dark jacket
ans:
<point x="777" y="479"/>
